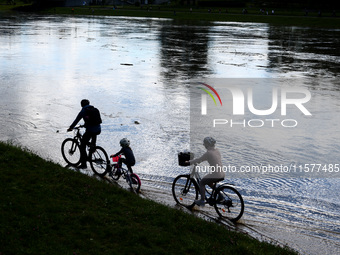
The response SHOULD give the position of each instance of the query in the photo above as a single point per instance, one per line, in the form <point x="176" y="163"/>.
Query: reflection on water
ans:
<point x="252" y="50"/>
<point x="136" y="69"/>
<point x="184" y="51"/>
<point x="310" y="51"/>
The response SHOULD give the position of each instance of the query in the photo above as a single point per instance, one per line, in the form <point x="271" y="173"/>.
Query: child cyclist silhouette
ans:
<point x="127" y="152"/>
<point x="213" y="156"/>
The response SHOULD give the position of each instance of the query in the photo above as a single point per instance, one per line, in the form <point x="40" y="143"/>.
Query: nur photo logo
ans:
<point x="269" y="104"/>
<point x="205" y="88"/>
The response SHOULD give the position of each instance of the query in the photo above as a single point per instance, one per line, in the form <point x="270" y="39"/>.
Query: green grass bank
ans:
<point x="285" y="17"/>
<point x="48" y="209"/>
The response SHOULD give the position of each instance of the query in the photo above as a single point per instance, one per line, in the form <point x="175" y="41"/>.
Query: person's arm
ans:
<point x="75" y="122"/>
<point x="204" y="157"/>
<point x="118" y="153"/>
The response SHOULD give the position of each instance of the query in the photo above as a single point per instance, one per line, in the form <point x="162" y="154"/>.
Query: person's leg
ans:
<point x="205" y="181"/>
<point x="93" y="141"/>
<point x="209" y="179"/>
<point x="130" y="168"/>
<point x="84" y="141"/>
<point x="123" y="160"/>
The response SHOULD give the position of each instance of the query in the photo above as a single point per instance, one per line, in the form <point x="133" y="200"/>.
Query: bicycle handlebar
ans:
<point x="77" y="127"/>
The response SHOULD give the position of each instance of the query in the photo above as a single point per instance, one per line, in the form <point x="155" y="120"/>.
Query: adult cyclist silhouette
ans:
<point x="92" y="125"/>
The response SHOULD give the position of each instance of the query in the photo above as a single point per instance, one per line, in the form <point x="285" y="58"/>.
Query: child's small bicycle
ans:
<point x="115" y="172"/>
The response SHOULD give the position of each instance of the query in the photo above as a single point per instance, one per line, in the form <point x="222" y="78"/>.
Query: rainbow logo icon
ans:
<point x="204" y="96"/>
<point x="209" y="93"/>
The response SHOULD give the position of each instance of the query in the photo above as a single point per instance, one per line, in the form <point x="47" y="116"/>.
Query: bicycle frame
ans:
<point x="78" y="136"/>
<point x="195" y="176"/>
<point x="126" y="174"/>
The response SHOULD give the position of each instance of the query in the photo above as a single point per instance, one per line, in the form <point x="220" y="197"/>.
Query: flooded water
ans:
<point x="137" y="72"/>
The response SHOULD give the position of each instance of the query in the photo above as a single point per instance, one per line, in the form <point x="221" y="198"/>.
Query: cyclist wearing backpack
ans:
<point x="92" y="119"/>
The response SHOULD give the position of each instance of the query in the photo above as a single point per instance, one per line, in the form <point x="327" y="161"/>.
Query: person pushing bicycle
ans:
<point x="213" y="156"/>
<point x="129" y="159"/>
<point x="92" y="119"/>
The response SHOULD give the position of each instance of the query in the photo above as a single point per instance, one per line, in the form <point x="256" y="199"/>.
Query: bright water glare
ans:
<point x="137" y="72"/>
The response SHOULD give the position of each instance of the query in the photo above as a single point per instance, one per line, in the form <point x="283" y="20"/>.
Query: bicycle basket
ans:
<point x="183" y="157"/>
<point x="115" y="159"/>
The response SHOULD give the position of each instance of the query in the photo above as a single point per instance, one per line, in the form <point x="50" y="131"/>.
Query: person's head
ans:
<point x="84" y="102"/>
<point x="209" y="142"/>
<point x="124" y="142"/>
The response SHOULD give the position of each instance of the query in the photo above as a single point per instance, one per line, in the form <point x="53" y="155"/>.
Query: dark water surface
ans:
<point x="136" y="69"/>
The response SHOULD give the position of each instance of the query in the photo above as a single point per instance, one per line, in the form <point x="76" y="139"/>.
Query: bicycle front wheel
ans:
<point x="185" y="191"/>
<point x="135" y="182"/>
<point x="228" y="203"/>
<point x="99" y="161"/>
<point x="116" y="173"/>
<point x="70" y="150"/>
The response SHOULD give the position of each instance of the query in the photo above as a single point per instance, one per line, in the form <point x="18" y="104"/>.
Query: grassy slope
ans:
<point x="47" y="209"/>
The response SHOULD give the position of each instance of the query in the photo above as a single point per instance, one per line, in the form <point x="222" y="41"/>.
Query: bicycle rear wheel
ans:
<point x="185" y="191"/>
<point x="70" y="150"/>
<point x="135" y="182"/>
<point x="99" y="161"/>
<point x="228" y="203"/>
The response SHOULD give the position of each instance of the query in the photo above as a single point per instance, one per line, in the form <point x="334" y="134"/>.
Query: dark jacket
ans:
<point x="89" y="128"/>
<point x="129" y="156"/>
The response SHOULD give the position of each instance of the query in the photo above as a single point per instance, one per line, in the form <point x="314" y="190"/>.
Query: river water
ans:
<point x="138" y="72"/>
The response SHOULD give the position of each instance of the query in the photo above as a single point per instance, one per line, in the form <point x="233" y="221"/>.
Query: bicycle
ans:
<point x="97" y="156"/>
<point x="115" y="172"/>
<point x="226" y="200"/>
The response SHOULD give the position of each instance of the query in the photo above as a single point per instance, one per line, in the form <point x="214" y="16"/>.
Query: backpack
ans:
<point x="92" y="116"/>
